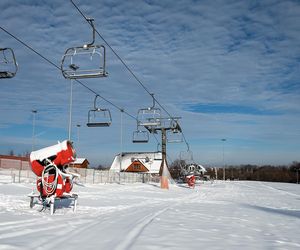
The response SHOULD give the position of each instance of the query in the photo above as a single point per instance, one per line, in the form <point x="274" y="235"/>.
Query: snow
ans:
<point x="220" y="215"/>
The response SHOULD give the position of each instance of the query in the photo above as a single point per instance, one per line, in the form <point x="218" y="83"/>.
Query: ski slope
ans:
<point x="222" y="215"/>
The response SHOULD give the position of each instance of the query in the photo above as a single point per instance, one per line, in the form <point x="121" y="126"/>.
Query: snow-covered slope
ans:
<point x="223" y="215"/>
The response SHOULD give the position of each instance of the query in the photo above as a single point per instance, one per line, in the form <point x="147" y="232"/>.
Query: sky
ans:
<point x="229" y="69"/>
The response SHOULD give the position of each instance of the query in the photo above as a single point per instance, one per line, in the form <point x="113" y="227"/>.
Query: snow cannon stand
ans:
<point x="191" y="180"/>
<point x="54" y="182"/>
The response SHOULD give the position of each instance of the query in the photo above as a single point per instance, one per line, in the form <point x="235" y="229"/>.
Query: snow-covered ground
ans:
<point x="222" y="215"/>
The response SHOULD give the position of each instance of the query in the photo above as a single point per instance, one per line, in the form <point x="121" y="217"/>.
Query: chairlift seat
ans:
<point x="84" y="62"/>
<point x="98" y="124"/>
<point x="6" y="74"/>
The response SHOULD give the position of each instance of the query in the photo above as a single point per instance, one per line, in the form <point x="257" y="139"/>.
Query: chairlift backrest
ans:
<point x="84" y="62"/>
<point x="140" y="136"/>
<point x="8" y="63"/>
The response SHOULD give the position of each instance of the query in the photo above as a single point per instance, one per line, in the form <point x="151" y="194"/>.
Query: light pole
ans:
<point x="70" y="110"/>
<point x="78" y="126"/>
<point x="121" y="144"/>
<point x="34" y="111"/>
<point x="223" y="140"/>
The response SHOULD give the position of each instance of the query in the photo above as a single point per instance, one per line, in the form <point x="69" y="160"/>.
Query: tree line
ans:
<point x="285" y="173"/>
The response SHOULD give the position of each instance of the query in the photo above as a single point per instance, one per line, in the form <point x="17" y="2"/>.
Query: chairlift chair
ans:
<point x="84" y="62"/>
<point x="149" y="117"/>
<point x="8" y="63"/>
<point x="174" y="136"/>
<point x="140" y="136"/>
<point x="99" y="117"/>
<point x="186" y="156"/>
<point x="87" y="61"/>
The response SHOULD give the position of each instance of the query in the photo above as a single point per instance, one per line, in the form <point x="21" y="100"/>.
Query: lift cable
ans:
<point x="126" y="66"/>
<point x="57" y="67"/>
<point x="81" y="83"/>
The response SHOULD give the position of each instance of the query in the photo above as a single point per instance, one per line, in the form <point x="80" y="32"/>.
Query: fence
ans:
<point x="14" y="163"/>
<point x="91" y="176"/>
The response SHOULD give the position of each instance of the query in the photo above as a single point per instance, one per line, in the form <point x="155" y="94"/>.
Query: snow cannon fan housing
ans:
<point x="60" y="154"/>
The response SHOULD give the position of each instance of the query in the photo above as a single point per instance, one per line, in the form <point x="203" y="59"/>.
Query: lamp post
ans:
<point x="70" y="110"/>
<point x="33" y="128"/>
<point x="121" y="144"/>
<point x="78" y="126"/>
<point x="223" y="140"/>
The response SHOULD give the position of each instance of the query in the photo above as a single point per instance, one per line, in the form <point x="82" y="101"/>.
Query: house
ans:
<point x="144" y="162"/>
<point x="194" y="168"/>
<point x="80" y="163"/>
<point x="14" y="162"/>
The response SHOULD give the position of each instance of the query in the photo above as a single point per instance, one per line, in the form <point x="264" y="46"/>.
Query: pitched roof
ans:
<point x="80" y="161"/>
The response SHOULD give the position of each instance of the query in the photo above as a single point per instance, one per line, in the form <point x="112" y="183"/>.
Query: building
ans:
<point x="80" y="163"/>
<point x="144" y="162"/>
<point x="194" y="168"/>
<point x="14" y="162"/>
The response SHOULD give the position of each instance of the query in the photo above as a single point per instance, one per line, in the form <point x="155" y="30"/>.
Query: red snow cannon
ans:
<point x="191" y="180"/>
<point x="60" y="154"/>
<point x="49" y="165"/>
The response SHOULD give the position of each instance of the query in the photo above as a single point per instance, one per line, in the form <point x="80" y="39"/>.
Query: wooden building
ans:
<point x="80" y="163"/>
<point x="144" y="162"/>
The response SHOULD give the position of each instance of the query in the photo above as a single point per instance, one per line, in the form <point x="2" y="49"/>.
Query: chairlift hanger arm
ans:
<point x="91" y="22"/>
<point x="153" y="101"/>
<point x="95" y="100"/>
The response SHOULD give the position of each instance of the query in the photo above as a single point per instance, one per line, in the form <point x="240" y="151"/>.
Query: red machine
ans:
<point x="191" y="180"/>
<point x="49" y="164"/>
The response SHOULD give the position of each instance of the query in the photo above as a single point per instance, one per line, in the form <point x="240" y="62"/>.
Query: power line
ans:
<point x="126" y="66"/>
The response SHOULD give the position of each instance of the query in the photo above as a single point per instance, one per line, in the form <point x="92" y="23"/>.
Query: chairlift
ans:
<point x="140" y="136"/>
<point x="174" y="136"/>
<point x="8" y="63"/>
<point x="87" y="61"/>
<point x="149" y="117"/>
<point x="99" y="117"/>
<point x="186" y="156"/>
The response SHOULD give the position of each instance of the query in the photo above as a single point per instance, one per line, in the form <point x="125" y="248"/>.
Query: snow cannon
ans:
<point x="49" y="165"/>
<point x="191" y="180"/>
<point x="60" y="154"/>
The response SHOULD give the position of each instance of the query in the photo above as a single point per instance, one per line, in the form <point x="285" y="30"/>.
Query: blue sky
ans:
<point x="230" y="69"/>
